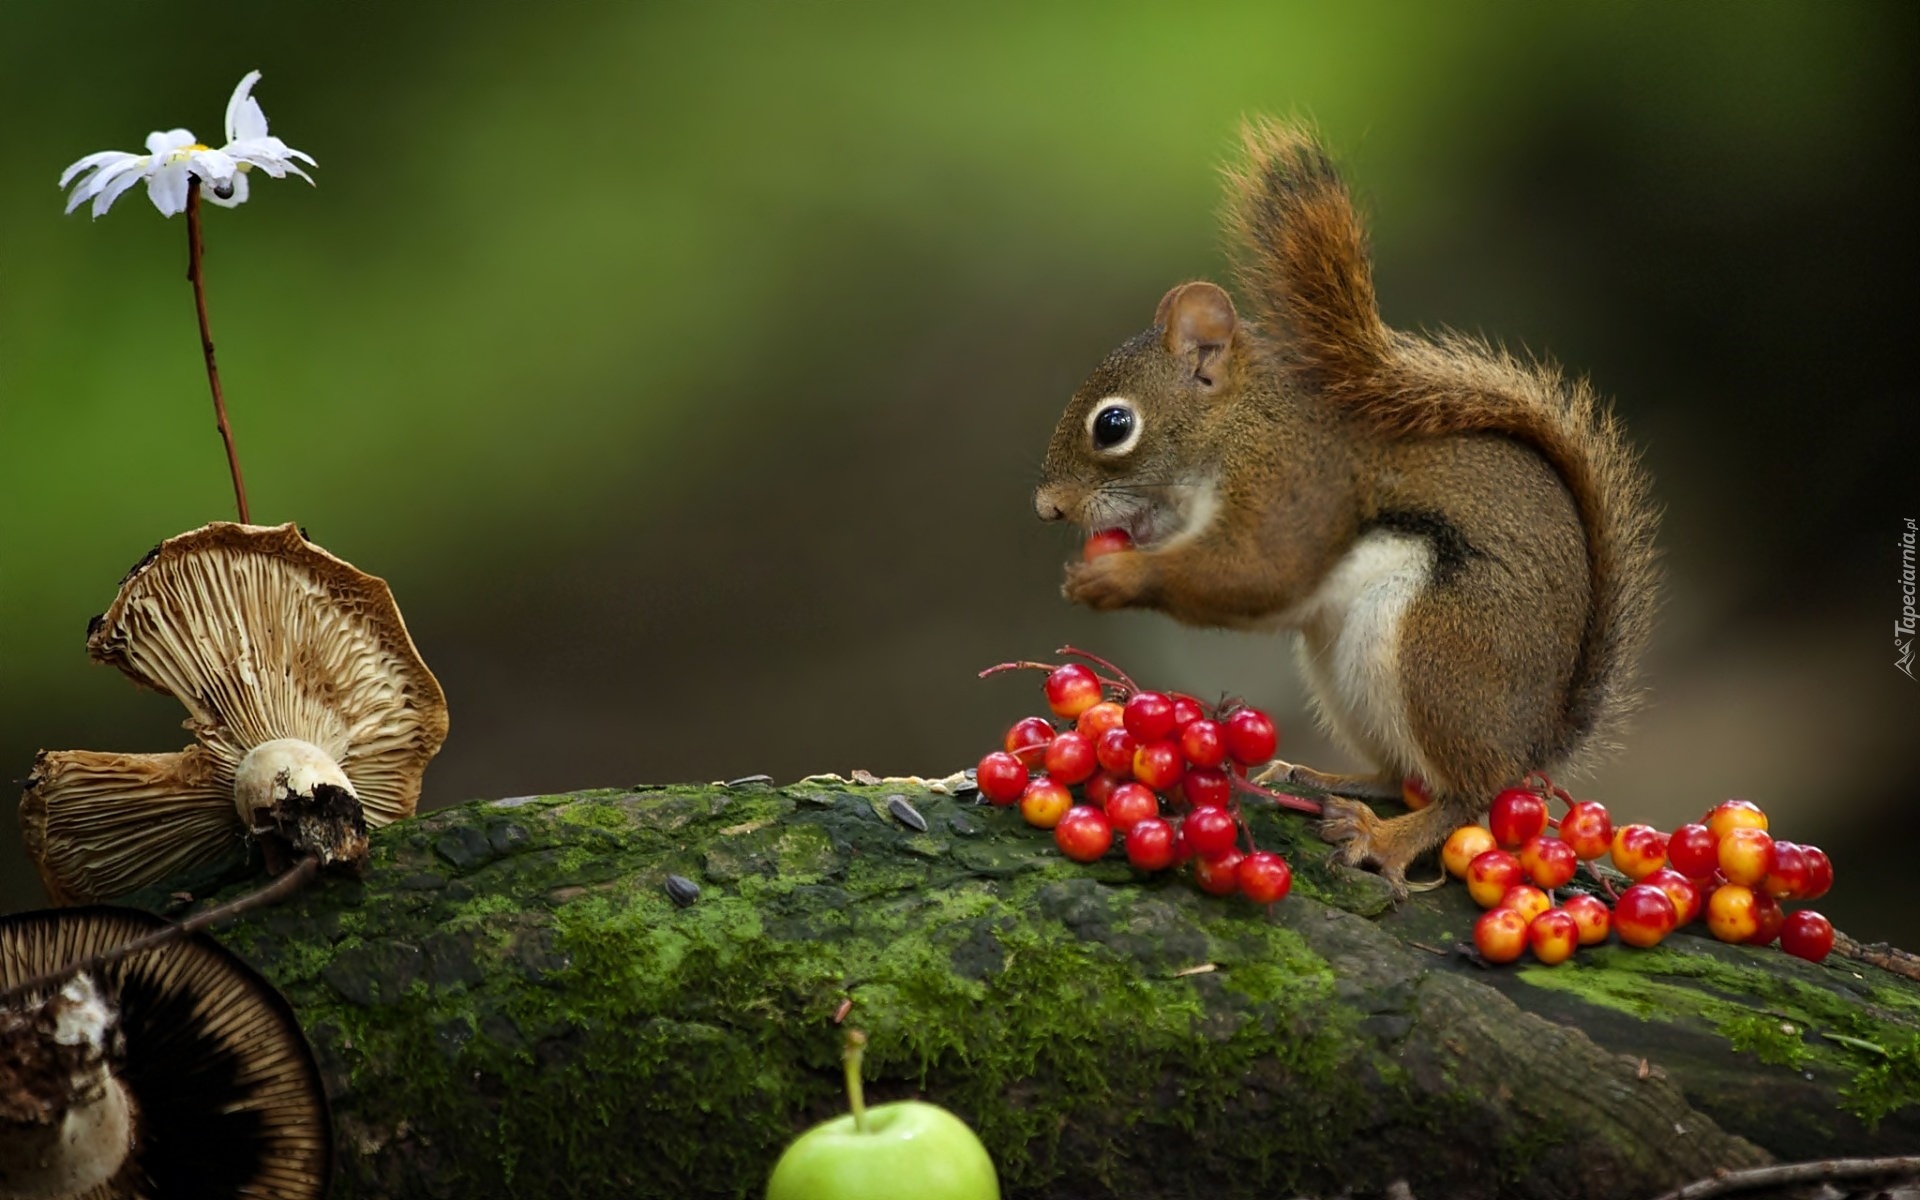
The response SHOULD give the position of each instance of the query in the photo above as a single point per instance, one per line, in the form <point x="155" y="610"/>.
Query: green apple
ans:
<point x="898" y="1151"/>
<point x="909" y="1149"/>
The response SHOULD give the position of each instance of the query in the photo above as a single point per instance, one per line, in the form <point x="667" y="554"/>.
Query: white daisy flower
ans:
<point x="171" y="156"/>
<point x="174" y="155"/>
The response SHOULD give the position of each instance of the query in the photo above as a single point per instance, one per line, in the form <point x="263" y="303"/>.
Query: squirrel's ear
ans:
<point x="1197" y="322"/>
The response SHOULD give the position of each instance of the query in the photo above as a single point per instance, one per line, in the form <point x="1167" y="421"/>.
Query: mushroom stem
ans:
<point x="66" y="1124"/>
<point x="295" y="789"/>
<point x="194" y="276"/>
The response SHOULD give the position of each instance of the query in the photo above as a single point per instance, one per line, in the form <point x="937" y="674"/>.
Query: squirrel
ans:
<point x="1463" y="540"/>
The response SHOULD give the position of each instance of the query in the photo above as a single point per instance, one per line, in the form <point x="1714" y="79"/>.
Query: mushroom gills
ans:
<point x="295" y="789"/>
<point x="66" y="1123"/>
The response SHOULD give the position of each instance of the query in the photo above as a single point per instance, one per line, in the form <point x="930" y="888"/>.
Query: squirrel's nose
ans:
<point x="1048" y="508"/>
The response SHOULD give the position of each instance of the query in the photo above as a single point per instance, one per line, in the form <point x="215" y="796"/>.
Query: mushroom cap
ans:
<point x="261" y="635"/>
<point x="227" y="1097"/>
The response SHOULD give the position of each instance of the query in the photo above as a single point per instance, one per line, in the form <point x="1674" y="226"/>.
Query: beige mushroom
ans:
<point x="176" y="1072"/>
<point x="313" y="715"/>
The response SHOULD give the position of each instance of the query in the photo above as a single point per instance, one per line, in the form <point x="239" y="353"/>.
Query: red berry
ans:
<point x="1588" y="829"/>
<point x="1044" y="802"/>
<point x="1001" y="777"/>
<point x="1679" y="889"/>
<point x="1159" y="765"/>
<point x="1525" y="899"/>
<point x="1806" y="934"/>
<point x="1070" y="759"/>
<point x="1639" y="851"/>
<point x="1732" y="913"/>
<point x="1107" y="541"/>
<point x="1251" y="737"/>
<point x="1770" y="917"/>
<point x="1149" y="716"/>
<point x="1819" y="873"/>
<point x="1264" y="877"/>
<point x="1516" y="815"/>
<point x="1414" y="793"/>
<point x="1100" y="787"/>
<point x="1792" y="873"/>
<point x="1489" y="876"/>
<point x="1463" y="846"/>
<point x="1554" y="935"/>
<point x="1219" y="875"/>
<point x="1694" y="851"/>
<point x="1115" y="751"/>
<point x="1186" y="710"/>
<point x="1028" y="740"/>
<point x="1729" y="815"/>
<point x="1500" y="935"/>
<point x="1210" y="831"/>
<point x="1084" y="834"/>
<point x="1130" y="804"/>
<point x="1181" y="851"/>
<point x="1548" y="861"/>
<point x="1100" y="718"/>
<point x="1206" y="787"/>
<point x="1203" y="744"/>
<point x="1746" y="855"/>
<point x="1643" y="916"/>
<point x="1072" y="690"/>
<point x="1150" y="844"/>
<point x="1593" y="917"/>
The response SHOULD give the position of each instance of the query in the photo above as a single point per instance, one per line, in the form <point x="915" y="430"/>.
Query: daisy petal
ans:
<point x="167" y="188"/>
<point x="161" y="142"/>
<point x="91" y="160"/>
<point x="244" y="118"/>
<point x="111" y="192"/>
<point x="92" y="186"/>
<point x="212" y="166"/>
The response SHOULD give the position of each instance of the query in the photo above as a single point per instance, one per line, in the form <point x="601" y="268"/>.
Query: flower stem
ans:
<point x="856" y="1098"/>
<point x="195" y="277"/>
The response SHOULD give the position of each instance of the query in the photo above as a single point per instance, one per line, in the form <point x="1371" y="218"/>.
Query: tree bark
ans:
<point x="511" y="1003"/>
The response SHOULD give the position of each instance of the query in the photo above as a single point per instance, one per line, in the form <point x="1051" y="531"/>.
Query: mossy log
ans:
<point x="509" y="1003"/>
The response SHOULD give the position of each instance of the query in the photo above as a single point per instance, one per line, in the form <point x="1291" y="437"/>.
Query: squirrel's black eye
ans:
<point x="1112" y="425"/>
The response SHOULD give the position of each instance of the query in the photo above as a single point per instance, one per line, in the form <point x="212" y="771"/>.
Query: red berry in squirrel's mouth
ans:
<point x="1107" y="541"/>
<point x="1072" y="690"/>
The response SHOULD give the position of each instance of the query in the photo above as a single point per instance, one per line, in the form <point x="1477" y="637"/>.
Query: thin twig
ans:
<point x="1879" y="954"/>
<point x="1886" y="1170"/>
<point x="286" y="885"/>
<point x="195" y="277"/>
<point x="1122" y="677"/>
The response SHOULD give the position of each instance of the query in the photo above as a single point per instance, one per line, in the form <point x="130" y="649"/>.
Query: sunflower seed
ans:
<point x="904" y="812"/>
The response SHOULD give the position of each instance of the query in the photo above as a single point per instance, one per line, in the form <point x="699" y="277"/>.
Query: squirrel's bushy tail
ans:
<point x="1302" y="257"/>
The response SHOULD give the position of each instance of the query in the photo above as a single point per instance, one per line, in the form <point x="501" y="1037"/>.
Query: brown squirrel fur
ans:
<point x="1465" y="539"/>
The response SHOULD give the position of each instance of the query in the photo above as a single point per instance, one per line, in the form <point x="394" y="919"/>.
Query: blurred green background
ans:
<point x="686" y="369"/>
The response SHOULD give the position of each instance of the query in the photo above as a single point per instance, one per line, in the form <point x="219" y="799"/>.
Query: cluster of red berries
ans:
<point x="1726" y="866"/>
<point x="1160" y="770"/>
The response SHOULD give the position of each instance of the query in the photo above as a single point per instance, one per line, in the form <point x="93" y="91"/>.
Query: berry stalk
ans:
<point x="856" y="1097"/>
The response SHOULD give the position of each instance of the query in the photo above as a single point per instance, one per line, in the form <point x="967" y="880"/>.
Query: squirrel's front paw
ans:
<point x="1116" y="580"/>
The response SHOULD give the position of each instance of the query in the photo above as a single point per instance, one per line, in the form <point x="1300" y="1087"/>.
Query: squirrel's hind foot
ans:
<point x="1388" y="845"/>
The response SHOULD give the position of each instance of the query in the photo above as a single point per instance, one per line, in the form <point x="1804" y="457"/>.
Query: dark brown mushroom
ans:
<point x="313" y="715"/>
<point x="174" y="1072"/>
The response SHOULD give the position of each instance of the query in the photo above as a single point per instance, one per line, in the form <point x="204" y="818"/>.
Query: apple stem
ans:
<point x="856" y="1098"/>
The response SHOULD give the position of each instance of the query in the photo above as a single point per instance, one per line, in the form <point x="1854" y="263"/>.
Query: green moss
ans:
<point x="1888" y="1085"/>
<point x="1770" y="1039"/>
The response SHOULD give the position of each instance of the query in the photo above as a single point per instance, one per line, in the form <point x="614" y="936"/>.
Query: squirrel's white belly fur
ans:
<point x="1349" y="649"/>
